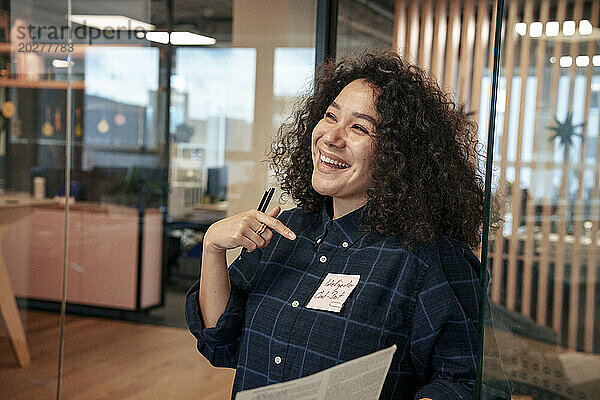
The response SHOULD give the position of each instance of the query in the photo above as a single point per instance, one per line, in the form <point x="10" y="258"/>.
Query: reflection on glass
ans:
<point x="118" y="111"/>
<point x="212" y="112"/>
<point x="544" y="246"/>
<point x="294" y="71"/>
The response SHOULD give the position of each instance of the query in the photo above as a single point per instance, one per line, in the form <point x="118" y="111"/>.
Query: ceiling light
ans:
<point x="521" y="28"/>
<point x="585" y="28"/>
<point x="61" y="63"/>
<point x="535" y="29"/>
<point x="159" y="37"/>
<point x="569" y="28"/>
<point x="566" y="61"/>
<point x="552" y="28"/>
<point x="112" y="22"/>
<point x="582" y="61"/>
<point x="189" y="38"/>
<point x="596" y="60"/>
<point x="552" y="59"/>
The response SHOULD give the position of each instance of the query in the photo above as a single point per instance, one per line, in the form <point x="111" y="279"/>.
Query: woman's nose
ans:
<point x="335" y="136"/>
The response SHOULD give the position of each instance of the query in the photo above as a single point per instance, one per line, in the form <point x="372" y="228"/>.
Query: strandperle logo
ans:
<point x="81" y="32"/>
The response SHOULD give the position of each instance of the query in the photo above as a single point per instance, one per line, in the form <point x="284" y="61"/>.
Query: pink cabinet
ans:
<point x="103" y="256"/>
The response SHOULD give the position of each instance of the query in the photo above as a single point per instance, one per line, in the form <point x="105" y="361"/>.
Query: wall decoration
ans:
<point x="57" y="120"/>
<point x="565" y="131"/>
<point x="8" y="109"/>
<point x="47" y="128"/>
<point x="78" y="128"/>
<point x="103" y="126"/>
<point x="120" y="119"/>
<point x="98" y="109"/>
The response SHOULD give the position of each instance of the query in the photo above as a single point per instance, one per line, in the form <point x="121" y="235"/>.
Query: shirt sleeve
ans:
<point x="445" y="326"/>
<point x="220" y="344"/>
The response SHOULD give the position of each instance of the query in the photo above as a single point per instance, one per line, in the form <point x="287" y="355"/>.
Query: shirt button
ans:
<point x="277" y="360"/>
<point x="345" y="244"/>
<point x="323" y="259"/>
<point x="319" y="240"/>
<point x="295" y="304"/>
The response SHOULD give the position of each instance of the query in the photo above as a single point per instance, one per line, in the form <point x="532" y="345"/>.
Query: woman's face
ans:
<point x="343" y="143"/>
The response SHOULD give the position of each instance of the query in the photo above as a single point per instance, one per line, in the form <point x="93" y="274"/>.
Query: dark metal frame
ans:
<point x="166" y="155"/>
<point x="483" y="275"/>
<point x="140" y="254"/>
<point x="326" y="41"/>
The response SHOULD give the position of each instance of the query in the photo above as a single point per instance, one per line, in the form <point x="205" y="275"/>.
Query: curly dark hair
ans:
<point x="426" y="182"/>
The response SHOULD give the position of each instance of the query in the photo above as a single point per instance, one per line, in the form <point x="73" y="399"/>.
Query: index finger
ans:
<point x="275" y="224"/>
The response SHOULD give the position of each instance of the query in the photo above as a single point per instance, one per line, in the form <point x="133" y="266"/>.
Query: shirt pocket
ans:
<point x="374" y="316"/>
<point x="368" y="315"/>
<point x="367" y="329"/>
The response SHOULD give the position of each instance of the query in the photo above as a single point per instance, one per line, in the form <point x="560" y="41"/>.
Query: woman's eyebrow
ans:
<point x="366" y="117"/>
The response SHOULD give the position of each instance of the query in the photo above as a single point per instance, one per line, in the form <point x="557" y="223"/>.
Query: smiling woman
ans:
<point x="382" y="166"/>
<point x="425" y="180"/>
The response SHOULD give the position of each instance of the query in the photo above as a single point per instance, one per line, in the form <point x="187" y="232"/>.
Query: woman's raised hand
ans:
<point x="241" y="230"/>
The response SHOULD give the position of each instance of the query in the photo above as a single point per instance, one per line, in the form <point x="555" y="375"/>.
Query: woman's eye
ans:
<point x="361" y="128"/>
<point x="330" y="116"/>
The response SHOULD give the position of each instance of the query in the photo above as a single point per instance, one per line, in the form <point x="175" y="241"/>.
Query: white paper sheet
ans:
<point x="358" y="379"/>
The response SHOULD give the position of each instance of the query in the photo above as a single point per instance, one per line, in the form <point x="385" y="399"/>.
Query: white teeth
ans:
<point x="330" y="161"/>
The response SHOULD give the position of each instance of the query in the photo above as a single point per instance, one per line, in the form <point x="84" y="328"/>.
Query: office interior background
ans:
<point x="158" y="114"/>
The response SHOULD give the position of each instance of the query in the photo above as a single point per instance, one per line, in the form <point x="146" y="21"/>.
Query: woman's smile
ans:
<point x="328" y="163"/>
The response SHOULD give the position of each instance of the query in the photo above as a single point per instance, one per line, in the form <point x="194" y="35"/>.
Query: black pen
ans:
<point x="262" y="207"/>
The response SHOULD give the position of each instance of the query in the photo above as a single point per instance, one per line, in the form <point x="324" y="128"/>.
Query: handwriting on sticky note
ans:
<point x="333" y="292"/>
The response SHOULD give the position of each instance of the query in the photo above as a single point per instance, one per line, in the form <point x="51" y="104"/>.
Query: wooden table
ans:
<point x="12" y="208"/>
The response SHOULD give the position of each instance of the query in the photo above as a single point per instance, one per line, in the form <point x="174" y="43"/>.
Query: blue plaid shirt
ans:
<point x="425" y="301"/>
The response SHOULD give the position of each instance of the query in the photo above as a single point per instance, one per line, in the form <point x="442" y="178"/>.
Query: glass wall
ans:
<point x="33" y="126"/>
<point x="544" y="245"/>
<point x="364" y="24"/>
<point x="172" y="106"/>
<point x="542" y="333"/>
